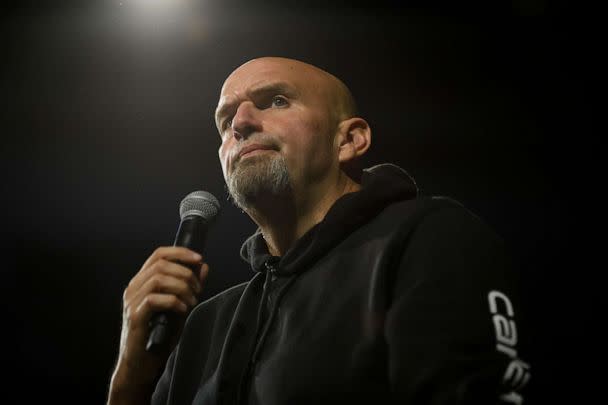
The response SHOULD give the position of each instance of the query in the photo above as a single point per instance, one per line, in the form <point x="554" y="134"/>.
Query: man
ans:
<point x="364" y="292"/>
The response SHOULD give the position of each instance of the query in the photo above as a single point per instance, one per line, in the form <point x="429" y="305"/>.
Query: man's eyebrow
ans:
<point x="268" y="88"/>
<point x="275" y="87"/>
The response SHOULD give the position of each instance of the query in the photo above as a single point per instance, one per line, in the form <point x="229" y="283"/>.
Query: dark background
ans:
<point x="107" y="124"/>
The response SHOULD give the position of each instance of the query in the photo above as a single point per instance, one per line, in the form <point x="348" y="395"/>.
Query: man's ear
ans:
<point x="353" y="139"/>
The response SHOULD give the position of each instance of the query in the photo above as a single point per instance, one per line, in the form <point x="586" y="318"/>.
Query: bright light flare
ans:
<point x="157" y="9"/>
<point x="163" y="18"/>
<point x="162" y="5"/>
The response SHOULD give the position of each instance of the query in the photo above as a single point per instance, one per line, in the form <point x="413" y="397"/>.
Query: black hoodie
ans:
<point x="392" y="298"/>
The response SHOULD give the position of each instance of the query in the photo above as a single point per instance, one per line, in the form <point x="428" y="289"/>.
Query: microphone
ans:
<point x="197" y="212"/>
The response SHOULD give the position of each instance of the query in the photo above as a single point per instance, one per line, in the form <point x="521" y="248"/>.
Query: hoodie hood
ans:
<point x="381" y="185"/>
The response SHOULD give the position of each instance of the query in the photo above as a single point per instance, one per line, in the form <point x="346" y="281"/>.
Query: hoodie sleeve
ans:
<point x="453" y="326"/>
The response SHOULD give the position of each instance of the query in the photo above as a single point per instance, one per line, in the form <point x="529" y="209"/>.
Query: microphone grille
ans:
<point x="199" y="203"/>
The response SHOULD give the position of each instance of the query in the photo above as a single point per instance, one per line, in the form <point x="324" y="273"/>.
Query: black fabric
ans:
<point x="382" y="184"/>
<point x="385" y="301"/>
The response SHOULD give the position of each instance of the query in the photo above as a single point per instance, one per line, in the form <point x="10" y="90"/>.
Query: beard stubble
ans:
<point x="256" y="177"/>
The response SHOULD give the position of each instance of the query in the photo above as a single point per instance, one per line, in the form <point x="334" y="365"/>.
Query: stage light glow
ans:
<point x="157" y="4"/>
<point x="157" y="9"/>
<point x="164" y="20"/>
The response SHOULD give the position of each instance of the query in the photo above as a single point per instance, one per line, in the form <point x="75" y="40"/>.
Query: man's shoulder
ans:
<point x="434" y="216"/>
<point x="428" y="203"/>
<point x="422" y="208"/>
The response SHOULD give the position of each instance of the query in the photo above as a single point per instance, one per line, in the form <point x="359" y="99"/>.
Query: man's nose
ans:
<point x="246" y="121"/>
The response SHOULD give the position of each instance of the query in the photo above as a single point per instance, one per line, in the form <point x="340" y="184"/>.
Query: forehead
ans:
<point x="257" y="73"/>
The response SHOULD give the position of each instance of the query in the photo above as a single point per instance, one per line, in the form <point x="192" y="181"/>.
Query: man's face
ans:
<point x="273" y="114"/>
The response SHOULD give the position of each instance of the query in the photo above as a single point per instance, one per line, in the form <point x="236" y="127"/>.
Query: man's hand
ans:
<point x="160" y="285"/>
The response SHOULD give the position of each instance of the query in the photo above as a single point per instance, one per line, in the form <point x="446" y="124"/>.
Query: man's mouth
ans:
<point x="253" y="149"/>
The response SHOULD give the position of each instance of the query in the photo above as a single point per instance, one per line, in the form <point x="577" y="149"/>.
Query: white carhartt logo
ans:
<point x="517" y="373"/>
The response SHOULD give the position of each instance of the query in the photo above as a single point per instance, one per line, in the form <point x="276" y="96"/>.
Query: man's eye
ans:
<point x="279" y="101"/>
<point x="228" y="123"/>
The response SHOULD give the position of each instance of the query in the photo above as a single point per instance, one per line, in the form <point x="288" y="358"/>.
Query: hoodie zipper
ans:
<point x="271" y="269"/>
<point x="245" y="380"/>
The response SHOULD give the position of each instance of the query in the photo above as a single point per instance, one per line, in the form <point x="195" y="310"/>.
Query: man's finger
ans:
<point x="173" y="253"/>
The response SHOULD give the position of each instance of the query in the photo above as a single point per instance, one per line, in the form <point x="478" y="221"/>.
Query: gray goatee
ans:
<point x="257" y="176"/>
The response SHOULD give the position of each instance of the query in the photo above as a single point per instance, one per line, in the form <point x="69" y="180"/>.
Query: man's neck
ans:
<point x="285" y="219"/>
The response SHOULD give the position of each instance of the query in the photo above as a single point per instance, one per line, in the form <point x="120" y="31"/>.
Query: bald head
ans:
<point x="340" y="103"/>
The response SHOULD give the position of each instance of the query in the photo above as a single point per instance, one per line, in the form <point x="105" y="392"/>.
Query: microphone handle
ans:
<point x="192" y="233"/>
